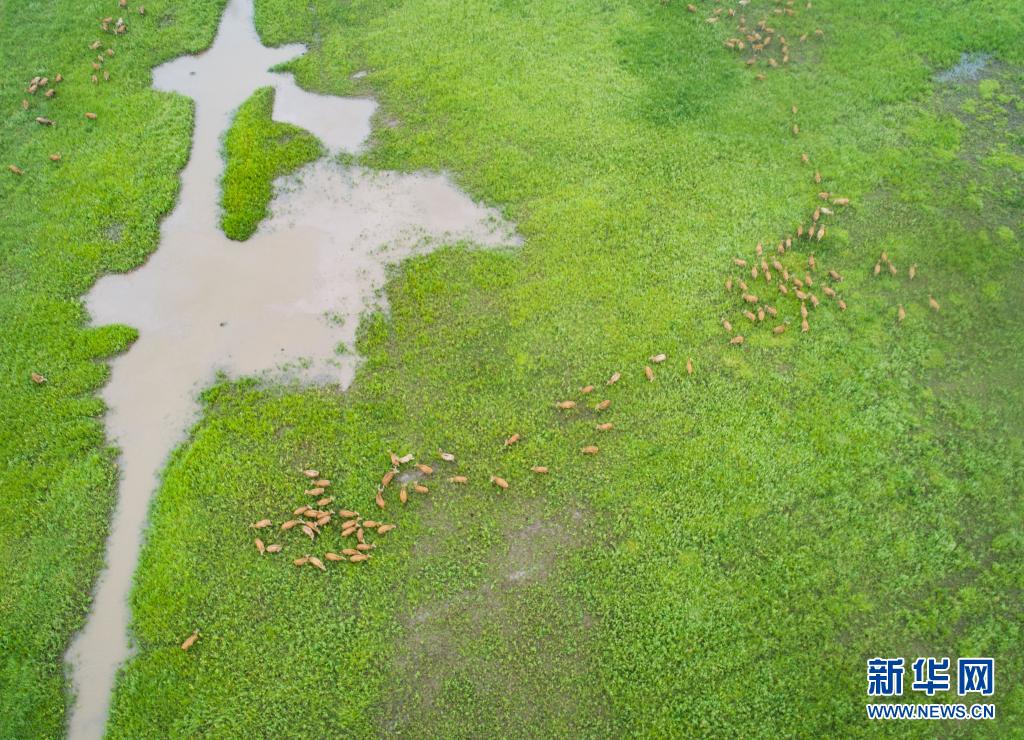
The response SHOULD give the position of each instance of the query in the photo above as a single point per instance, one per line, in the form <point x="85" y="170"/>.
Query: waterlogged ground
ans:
<point x="748" y="535"/>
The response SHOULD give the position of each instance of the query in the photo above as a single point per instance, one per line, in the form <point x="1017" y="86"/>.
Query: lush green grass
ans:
<point x="749" y="535"/>
<point x="61" y="225"/>
<point x="258" y="149"/>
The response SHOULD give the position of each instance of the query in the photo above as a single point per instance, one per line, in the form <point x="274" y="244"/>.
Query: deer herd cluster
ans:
<point x="762" y="44"/>
<point x="790" y="283"/>
<point x="43" y="88"/>
<point x="408" y="477"/>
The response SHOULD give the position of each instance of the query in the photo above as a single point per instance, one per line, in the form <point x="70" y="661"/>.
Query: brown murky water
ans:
<point x="279" y="303"/>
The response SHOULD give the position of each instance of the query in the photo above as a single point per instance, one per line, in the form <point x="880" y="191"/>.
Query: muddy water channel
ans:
<point x="278" y="304"/>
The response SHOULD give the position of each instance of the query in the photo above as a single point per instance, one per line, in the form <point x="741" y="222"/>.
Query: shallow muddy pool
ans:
<point x="281" y="302"/>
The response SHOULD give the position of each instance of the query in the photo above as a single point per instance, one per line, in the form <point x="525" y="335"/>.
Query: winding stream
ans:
<point x="204" y="304"/>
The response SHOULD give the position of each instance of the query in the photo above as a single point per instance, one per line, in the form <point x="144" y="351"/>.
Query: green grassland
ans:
<point x="257" y="150"/>
<point x="747" y="536"/>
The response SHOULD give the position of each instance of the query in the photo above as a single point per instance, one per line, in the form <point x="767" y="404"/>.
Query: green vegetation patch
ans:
<point x="257" y="150"/>
<point x="747" y="535"/>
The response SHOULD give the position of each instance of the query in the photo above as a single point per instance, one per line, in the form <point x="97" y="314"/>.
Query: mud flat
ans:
<point x="278" y="303"/>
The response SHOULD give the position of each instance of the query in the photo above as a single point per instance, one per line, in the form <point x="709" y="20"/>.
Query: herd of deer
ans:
<point x="45" y="87"/>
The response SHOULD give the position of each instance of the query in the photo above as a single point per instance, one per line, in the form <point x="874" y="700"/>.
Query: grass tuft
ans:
<point x="257" y="150"/>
